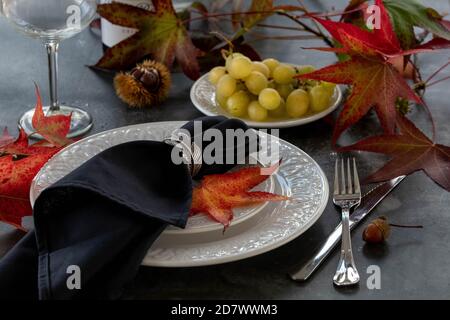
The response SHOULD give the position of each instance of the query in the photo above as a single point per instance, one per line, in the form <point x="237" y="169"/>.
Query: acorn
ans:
<point x="146" y="85"/>
<point x="379" y="230"/>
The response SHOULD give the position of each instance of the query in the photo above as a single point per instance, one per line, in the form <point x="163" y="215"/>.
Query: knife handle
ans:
<point x="312" y="264"/>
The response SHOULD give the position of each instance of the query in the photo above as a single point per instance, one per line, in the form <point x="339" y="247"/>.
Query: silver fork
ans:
<point x="346" y="197"/>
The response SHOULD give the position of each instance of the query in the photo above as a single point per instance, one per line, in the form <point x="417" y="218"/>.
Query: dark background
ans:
<point x="414" y="263"/>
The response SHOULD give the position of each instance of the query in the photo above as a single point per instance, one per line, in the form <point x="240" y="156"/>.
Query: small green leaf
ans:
<point x="406" y="14"/>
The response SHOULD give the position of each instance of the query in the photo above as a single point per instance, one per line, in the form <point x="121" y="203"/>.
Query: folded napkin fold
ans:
<point x="100" y="220"/>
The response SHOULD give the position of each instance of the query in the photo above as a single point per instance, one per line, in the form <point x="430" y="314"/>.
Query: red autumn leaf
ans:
<point x="15" y="181"/>
<point x="379" y="41"/>
<point x="218" y="194"/>
<point x="410" y="151"/>
<point x="53" y="128"/>
<point x="6" y="138"/>
<point x="161" y="34"/>
<point x="407" y="71"/>
<point x="375" y="84"/>
<point x="21" y="147"/>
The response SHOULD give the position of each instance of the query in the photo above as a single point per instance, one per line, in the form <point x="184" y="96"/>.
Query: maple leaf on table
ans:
<point x="53" y="128"/>
<point x="21" y="147"/>
<point x="15" y="180"/>
<point x="20" y="162"/>
<point x="160" y="34"/>
<point x="411" y="151"/>
<point x="376" y="82"/>
<point x="218" y="194"/>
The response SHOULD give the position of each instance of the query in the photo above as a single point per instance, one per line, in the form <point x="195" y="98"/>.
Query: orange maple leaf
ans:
<point x="53" y="128"/>
<point x="218" y="194"/>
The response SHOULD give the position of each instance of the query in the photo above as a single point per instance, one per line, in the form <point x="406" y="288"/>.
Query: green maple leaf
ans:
<point x="161" y="34"/>
<point x="405" y="14"/>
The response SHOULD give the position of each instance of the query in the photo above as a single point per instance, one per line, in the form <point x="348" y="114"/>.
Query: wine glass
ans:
<point x="52" y="21"/>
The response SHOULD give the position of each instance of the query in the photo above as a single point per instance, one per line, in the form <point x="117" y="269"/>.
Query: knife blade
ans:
<point x="368" y="203"/>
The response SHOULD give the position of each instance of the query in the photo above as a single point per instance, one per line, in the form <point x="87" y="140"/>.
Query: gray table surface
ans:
<point x="414" y="263"/>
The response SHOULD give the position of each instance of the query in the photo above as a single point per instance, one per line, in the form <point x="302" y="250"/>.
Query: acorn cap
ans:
<point x="145" y="85"/>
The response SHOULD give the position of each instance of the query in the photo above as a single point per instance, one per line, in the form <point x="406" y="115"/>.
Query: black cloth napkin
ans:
<point x="102" y="218"/>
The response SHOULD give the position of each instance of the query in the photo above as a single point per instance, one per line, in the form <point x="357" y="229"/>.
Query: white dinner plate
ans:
<point x="203" y="97"/>
<point x="254" y="230"/>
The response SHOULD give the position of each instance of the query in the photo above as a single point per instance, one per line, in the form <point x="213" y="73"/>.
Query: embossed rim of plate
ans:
<point x="216" y="110"/>
<point x="233" y="252"/>
<point x="227" y="244"/>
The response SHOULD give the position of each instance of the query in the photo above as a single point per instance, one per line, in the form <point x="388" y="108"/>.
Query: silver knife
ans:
<point x="368" y="203"/>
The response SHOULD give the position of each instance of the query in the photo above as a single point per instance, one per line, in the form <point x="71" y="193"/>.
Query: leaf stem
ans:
<point x="263" y="25"/>
<point x="306" y="27"/>
<point x="403" y="226"/>
<point x="437" y="81"/>
<point x="437" y="71"/>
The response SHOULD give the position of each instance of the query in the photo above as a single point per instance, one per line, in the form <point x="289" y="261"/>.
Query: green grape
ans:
<point x="297" y="103"/>
<point x="226" y="86"/>
<point x="284" y="90"/>
<point x="271" y="64"/>
<point x="261" y="67"/>
<point x="237" y="103"/>
<point x="280" y="111"/>
<point x="283" y="74"/>
<point x="222" y="101"/>
<point x="240" y="67"/>
<point x="320" y="97"/>
<point x="230" y="58"/>
<point x="269" y="99"/>
<point x="216" y="73"/>
<point x="329" y="86"/>
<point x="305" y="69"/>
<point x="256" y="112"/>
<point x="256" y="82"/>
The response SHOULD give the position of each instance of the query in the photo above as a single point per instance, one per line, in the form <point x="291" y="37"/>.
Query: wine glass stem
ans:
<point x="52" y="51"/>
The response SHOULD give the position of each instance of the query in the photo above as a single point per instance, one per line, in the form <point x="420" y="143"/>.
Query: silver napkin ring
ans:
<point x="192" y="154"/>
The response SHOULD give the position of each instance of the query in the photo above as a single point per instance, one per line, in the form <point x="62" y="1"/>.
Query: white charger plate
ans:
<point x="203" y="97"/>
<point x="272" y="225"/>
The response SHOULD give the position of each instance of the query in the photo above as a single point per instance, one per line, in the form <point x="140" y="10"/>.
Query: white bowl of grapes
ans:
<point x="264" y="94"/>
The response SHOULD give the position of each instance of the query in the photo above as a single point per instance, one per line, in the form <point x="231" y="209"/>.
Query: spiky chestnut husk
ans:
<point x="148" y="84"/>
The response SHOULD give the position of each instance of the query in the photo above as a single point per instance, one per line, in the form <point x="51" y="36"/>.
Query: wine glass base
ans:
<point x="81" y="121"/>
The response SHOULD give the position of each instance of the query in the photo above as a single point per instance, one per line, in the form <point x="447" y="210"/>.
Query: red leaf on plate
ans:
<point x="161" y="35"/>
<point x="53" y="128"/>
<point x="15" y="181"/>
<point x="218" y="194"/>
<point x="410" y="151"/>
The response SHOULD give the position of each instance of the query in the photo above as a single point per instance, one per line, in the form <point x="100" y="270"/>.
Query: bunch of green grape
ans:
<point x="268" y="90"/>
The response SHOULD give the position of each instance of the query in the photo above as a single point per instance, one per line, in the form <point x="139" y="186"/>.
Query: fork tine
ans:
<point x="349" y="177"/>
<point x="336" y="177"/>
<point x="344" y="190"/>
<point x="356" y="179"/>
